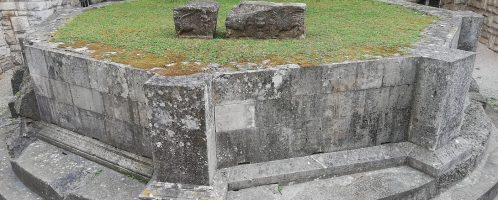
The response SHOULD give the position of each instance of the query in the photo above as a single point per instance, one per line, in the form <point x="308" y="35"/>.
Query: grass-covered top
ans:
<point x="142" y="33"/>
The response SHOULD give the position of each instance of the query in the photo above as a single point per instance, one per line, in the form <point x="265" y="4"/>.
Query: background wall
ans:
<point x="16" y="17"/>
<point x="489" y="9"/>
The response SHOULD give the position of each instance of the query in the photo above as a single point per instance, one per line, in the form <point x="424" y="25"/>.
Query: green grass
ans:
<point x="143" y="34"/>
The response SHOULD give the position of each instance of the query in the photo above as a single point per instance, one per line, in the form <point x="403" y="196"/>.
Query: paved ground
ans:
<point x="486" y="71"/>
<point x="10" y="186"/>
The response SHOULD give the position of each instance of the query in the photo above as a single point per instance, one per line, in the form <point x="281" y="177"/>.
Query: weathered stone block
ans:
<point x="235" y="116"/>
<point x="45" y="109"/>
<point x="66" y="116"/>
<point x="42" y="86"/>
<point x="120" y="134"/>
<point x="306" y="81"/>
<point x="116" y="80"/>
<point x="440" y="93"/>
<point x="75" y="70"/>
<point x="54" y="65"/>
<point x="25" y="103"/>
<point x="87" y="99"/>
<point x="36" y="62"/>
<point x="20" y="23"/>
<point x="369" y="75"/>
<point x="263" y="20"/>
<point x="117" y="107"/>
<point x="97" y="75"/>
<point x="339" y="77"/>
<point x="62" y="91"/>
<point x="400" y="71"/>
<point x="470" y="32"/>
<point x="181" y="135"/>
<point x="136" y="79"/>
<point x="92" y="124"/>
<point x="259" y="85"/>
<point x="197" y="19"/>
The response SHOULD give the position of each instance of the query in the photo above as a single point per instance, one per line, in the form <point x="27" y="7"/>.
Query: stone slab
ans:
<point x="96" y="151"/>
<point x="391" y="183"/>
<point x="11" y="188"/>
<point x="57" y="174"/>
<point x="316" y="166"/>
<point x="482" y="183"/>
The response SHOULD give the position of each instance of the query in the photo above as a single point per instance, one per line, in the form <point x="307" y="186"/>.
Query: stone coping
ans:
<point x="441" y="36"/>
<point x="125" y="162"/>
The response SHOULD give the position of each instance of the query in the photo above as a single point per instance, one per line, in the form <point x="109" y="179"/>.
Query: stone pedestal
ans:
<point x="441" y="89"/>
<point x="181" y="129"/>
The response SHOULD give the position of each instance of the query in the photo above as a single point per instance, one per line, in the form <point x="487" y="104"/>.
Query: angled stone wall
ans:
<point x="15" y="19"/>
<point x="291" y="112"/>
<point x="489" y="9"/>
<point x="101" y="100"/>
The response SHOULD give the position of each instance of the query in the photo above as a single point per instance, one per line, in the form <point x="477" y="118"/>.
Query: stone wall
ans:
<point x="488" y="8"/>
<point x="101" y="100"/>
<point x="16" y="17"/>
<point x="292" y="112"/>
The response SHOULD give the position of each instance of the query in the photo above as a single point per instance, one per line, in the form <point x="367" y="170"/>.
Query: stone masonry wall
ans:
<point x="15" y="19"/>
<point x="97" y="99"/>
<point x="488" y="8"/>
<point x="278" y="114"/>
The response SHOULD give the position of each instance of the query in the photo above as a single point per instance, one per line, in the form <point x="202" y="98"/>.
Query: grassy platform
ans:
<point x="141" y="33"/>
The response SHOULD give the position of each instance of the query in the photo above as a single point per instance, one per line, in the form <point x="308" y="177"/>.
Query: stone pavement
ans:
<point x="486" y="71"/>
<point x="10" y="186"/>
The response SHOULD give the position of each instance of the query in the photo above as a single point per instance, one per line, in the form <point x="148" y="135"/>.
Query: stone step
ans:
<point x="122" y="161"/>
<point x="11" y="188"/>
<point x="54" y="173"/>
<point x="400" y="182"/>
<point x="482" y="183"/>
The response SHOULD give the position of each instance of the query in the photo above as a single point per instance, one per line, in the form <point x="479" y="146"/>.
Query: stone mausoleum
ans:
<point x="400" y="127"/>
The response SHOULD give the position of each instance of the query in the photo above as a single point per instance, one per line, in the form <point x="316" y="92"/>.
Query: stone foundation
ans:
<point x="195" y="127"/>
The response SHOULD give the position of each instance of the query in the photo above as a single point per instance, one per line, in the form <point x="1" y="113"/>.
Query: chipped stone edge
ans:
<point x="122" y="161"/>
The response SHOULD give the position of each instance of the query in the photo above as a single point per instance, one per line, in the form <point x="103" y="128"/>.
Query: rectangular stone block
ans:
<point x="235" y="116"/>
<point x="87" y="99"/>
<point x="442" y="86"/>
<point x="369" y="75"/>
<point x="19" y="24"/>
<point x="121" y="134"/>
<point x="196" y="19"/>
<point x="62" y="91"/>
<point x="75" y="70"/>
<point x="116" y="80"/>
<point x="239" y="147"/>
<point x="97" y="75"/>
<point x="44" y="108"/>
<point x="36" y="62"/>
<point x="258" y="85"/>
<point x="400" y="71"/>
<point x="306" y="81"/>
<point x="181" y="135"/>
<point x="66" y="116"/>
<point x="339" y="77"/>
<point x="118" y="108"/>
<point x="136" y="79"/>
<point x="92" y="125"/>
<point x="42" y="86"/>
